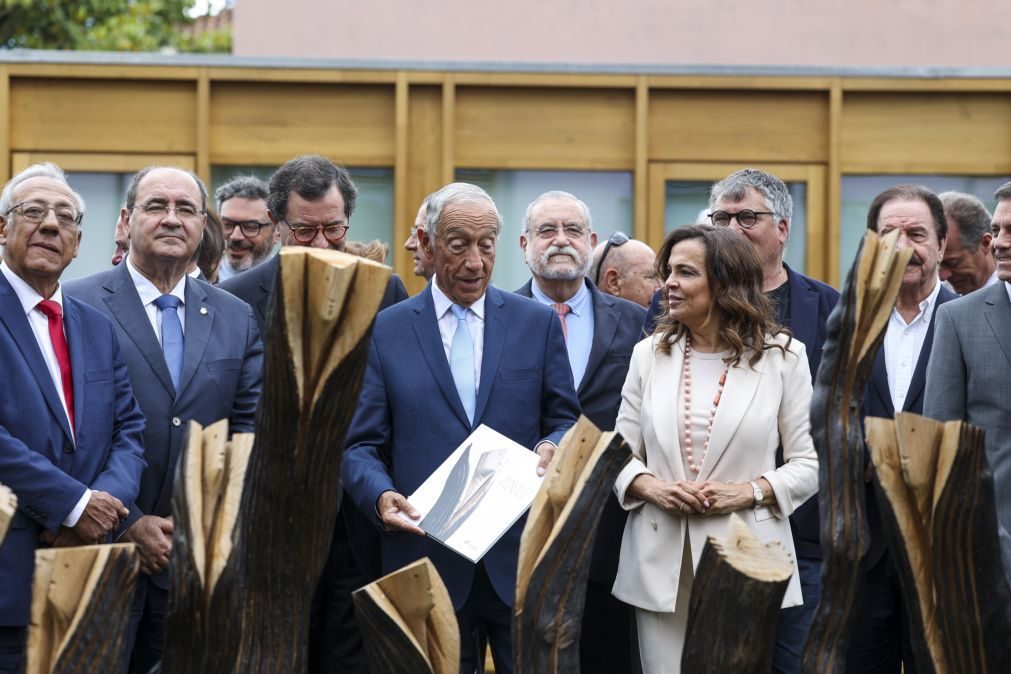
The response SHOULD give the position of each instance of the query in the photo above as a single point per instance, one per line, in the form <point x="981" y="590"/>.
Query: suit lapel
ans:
<point x="605" y="325"/>
<point x="879" y="381"/>
<point x="75" y="342"/>
<point x="998" y="316"/>
<point x="266" y="287"/>
<point x="426" y="328"/>
<point x="663" y="406"/>
<point x="919" y="380"/>
<point x="742" y="382"/>
<point x="12" y="313"/>
<point x="803" y="305"/>
<point x="494" y="339"/>
<point x="124" y="303"/>
<point x="199" y="319"/>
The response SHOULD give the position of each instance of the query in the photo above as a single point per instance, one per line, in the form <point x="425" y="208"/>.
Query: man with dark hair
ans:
<point x="968" y="262"/>
<point x="310" y="203"/>
<point x="968" y="373"/>
<point x="70" y="428"/>
<point x="880" y="639"/>
<point x="193" y="353"/>
<point x="600" y="331"/>
<point x="249" y="234"/>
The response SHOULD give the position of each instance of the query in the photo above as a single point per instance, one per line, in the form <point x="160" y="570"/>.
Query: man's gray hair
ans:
<point x="971" y="216"/>
<point x="241" y="187"/>
<point x="735" y="188"/>
<point x="557" y="195"/>
<point x="455" y="193"/>
<point x="45" y="170"/>
<point x="1003" y="192"/>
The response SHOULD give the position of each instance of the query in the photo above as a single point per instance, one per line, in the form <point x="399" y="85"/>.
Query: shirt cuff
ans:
<point x="71" y="521"/>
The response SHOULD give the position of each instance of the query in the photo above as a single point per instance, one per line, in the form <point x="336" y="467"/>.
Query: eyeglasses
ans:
<point x="616" y="240"/>
<point x="550" y="231"/>
<point x="746" y="217"/>
<point x="306" y="233"/>
<point x="35" y="212"/>
<point x="161" y="210"/>
<point x="249" y="228"/>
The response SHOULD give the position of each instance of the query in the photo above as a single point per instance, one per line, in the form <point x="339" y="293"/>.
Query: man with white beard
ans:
<point x="600" y="331"/>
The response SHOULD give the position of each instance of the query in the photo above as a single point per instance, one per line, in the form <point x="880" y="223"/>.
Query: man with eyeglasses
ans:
<point x="422" y="263"/>
<point x="310" y="202"/>
<point x="193" y="353"/>
<point x="600" y="331"/>
<point x="246" y="225"/>
<point x="70" y="428"/>
<point x="625" y="268"/>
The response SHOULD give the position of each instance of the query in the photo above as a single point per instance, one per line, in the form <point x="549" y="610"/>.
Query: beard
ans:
<point x="540" y="265"/>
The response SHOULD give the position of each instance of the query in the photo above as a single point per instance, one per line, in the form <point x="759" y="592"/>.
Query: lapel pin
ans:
<point x="203" y="310"/>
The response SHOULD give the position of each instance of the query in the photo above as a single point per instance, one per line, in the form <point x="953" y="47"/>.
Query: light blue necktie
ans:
<point x="461" y="361"/>
<point x="171" y="336"/>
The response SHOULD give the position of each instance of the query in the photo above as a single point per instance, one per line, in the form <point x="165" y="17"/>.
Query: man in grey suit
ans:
<point x="967" y="377"/>
<point x="193" y="352"/>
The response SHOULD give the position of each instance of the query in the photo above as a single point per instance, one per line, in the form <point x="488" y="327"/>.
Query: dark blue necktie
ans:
<point x="171" y="336"/>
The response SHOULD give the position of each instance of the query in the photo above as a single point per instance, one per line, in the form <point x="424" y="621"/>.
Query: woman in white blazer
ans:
<point x="708" y="399"/>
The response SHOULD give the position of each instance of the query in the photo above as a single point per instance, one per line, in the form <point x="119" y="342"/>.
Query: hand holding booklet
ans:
<point x="472" y="499"/>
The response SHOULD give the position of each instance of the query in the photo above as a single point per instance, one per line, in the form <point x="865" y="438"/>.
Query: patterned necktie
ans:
<point x="54" y="313"/>
<point x="461" y="361"/>
<point x="562" y="310"/>
<point x="171" y="336"/>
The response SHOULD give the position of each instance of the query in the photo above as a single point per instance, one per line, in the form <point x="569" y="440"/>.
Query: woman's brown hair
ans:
<point x="735" y="282"/>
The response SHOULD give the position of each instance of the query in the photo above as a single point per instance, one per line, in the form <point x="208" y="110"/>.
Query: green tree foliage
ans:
<point x="104" y="25"/>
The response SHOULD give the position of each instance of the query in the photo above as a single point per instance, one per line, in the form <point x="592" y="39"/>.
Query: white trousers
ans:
<point x="662" y="635"/>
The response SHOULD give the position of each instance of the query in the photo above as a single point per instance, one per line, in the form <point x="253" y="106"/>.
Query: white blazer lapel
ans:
<point x="739" y="391"/>
<point x="663" y="408"/>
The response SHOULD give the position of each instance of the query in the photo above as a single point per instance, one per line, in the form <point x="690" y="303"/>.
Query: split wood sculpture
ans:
<point x="855" y="332"/>
<point x="407" y="622"/>
<point x="80" y="608"/>
<point x="556" y="546"/>
<point x="8" y="507"/>
<point x="248" y="611"/>
<point x="937" y="504"/>
<point x="734" y="607"/>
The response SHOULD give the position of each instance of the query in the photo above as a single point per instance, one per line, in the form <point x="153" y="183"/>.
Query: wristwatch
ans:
<point x="759" y="494"/>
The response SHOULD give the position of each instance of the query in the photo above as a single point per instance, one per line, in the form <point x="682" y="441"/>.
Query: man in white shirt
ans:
<point x="70" y="428"/>
<point x="968" y="263"/>
<point x="880" y="639"/>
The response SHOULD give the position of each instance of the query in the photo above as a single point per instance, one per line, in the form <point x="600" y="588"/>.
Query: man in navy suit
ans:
<point x="880" y="641"/>
<point x="459" y="354"/>
<point x="70" y="428"/>
<point x="757" y="205"/>
<point x="193" y="353"/>
<point x="600" y="331"/>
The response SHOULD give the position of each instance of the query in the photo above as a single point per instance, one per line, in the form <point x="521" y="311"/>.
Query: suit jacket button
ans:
<point x="176" y="421"/>
<point x="68" y="447"/>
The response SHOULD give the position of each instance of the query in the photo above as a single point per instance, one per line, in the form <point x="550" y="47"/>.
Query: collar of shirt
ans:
<point x="577" y="303"/>
<point x="443" y="303"/>
<point x="26" y="294"/>
<point x="195" y="273"/>
<point x="926" y="308"/>
<point x="1007" y="287"/>
<point x="147" y="290"/>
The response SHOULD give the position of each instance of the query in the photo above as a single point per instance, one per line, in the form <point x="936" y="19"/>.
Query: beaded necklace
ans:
<point x="686" y="378"/>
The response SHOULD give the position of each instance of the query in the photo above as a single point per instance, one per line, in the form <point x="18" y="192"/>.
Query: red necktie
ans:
<point x="563" y="309"/>
<point x="54" y="313"/>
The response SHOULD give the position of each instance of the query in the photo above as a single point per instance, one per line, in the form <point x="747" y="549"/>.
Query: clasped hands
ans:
<point x="685" y="498"/>
<point x="101" y="516"/>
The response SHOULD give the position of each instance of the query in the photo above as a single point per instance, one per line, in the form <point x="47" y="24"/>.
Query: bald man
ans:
<point x="624" y="268"/>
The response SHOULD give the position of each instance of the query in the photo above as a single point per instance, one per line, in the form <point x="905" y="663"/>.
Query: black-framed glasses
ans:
<point x="746" y="217"/>
<point x="36" y="211"/>
<point x="158" y="209"/>
<point x="249" y="228"/>
<point x="306" y="233"/>
<point x="616" y="240"/>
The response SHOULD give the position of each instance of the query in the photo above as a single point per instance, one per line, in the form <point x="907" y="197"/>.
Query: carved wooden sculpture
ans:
<point x="408" y="623"/>
<point x="734" y="607"/>
<point x="937" y="504"/>
<point x="8" y="507"/>
<point x="249" y="611"/>
<point x="855" y="332"/>
<point x="556" y="546"/>
<point x="80" y="607"/>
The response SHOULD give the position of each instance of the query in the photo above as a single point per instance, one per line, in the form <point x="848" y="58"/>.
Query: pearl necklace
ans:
<point x="686" y="378"/>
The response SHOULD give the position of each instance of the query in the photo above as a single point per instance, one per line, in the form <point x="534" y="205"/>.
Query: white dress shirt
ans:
<point x="448" y="323"/>
<point x="149" y="293"/>
<point x="30" y="299"/>
<point x="992" y="280"/>
<point x="903" y="343"/>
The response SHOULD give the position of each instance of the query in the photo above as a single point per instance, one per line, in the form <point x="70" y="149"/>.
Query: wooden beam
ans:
<point x="834" y="187"/>
<point x="448" y="130"/>
<point x="640" y="223"/>
<point x="203" y="153"/>
<point x="402" y="210"/>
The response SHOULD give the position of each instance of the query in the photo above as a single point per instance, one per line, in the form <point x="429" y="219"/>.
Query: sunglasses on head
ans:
<point x="614" y="241"/>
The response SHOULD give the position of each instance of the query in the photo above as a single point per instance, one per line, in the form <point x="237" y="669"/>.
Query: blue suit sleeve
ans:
<point x="45" y="493"/>
<point x="363" y="470"/>
<point x="559" y="404"/>
<point x="247" y="396"/>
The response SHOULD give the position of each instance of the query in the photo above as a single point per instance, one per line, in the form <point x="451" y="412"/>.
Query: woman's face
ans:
<point x="687" y="286"/>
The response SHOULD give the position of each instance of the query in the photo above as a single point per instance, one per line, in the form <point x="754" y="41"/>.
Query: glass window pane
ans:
<point x="859" y="191"/>
<point x="103" y="197"/>
<point x="687" y="202"/>
<point x="373" y="217"/>
<point x="608" y="194"/>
